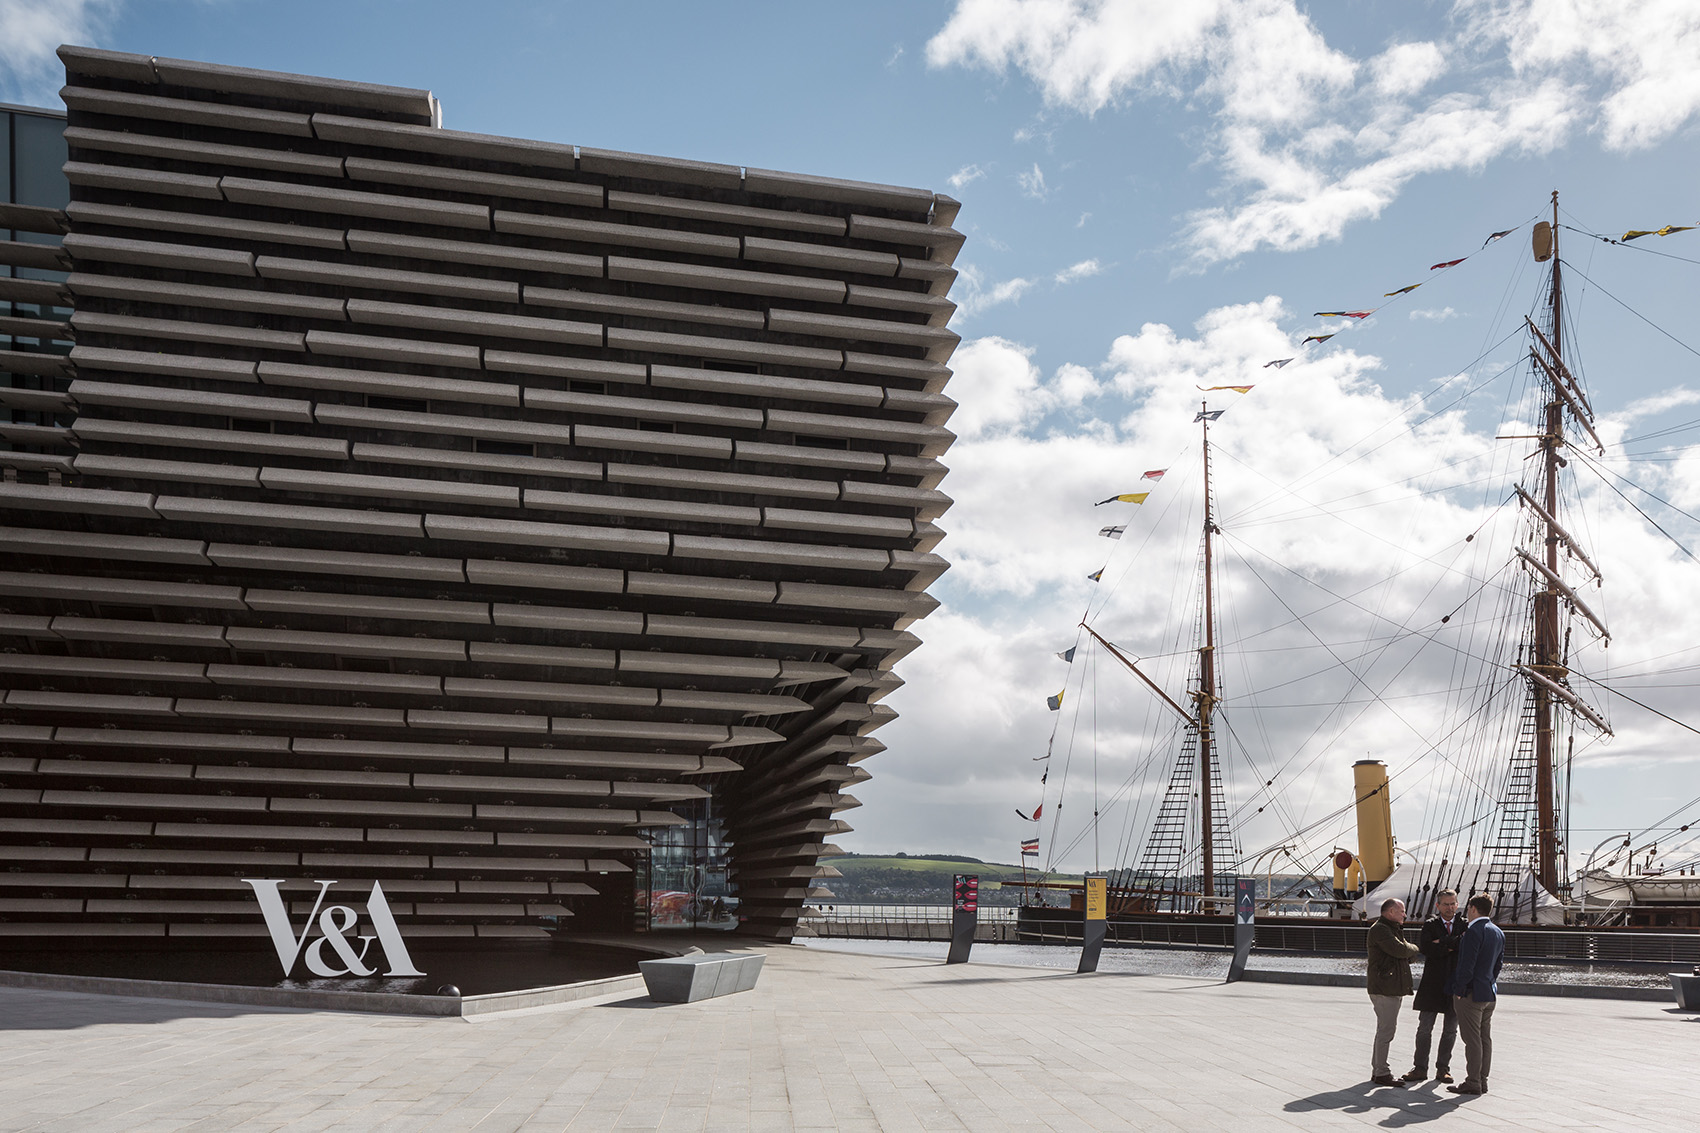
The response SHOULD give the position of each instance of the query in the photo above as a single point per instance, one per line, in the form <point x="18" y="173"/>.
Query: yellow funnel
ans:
<point x="1375" y="821"/>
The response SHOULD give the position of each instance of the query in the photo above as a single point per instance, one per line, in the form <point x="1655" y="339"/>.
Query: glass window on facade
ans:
<point x="32" y="157"/>
<point x="6" y="170"/>
<point x="688" y="886"/>
<point x="35" y="175"/>
<point x="38" y="159"/>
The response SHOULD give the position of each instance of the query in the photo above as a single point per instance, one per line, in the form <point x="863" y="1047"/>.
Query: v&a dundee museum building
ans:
<point x="529" y="529"/>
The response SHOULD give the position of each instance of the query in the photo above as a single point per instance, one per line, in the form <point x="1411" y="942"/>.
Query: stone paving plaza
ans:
<point x="834" y="1040"/>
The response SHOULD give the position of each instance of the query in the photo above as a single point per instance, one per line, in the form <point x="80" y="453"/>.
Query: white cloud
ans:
<point x="1084" y="217"/>
<point x="1085" y="269"/>
<point x="1644" y="54"/>
<point x="972" y="294"/>
<point x="1311" y="140"/>
<point x="997" y="386"/>
<point x="1074" y="384"/>
<point x="1300" y="203"/>
<point x="1321" y="471"/>
<point x="995" y="383"/>
<point x="1407" y="68"/>
<point x="32" y="30"/>
<point x="1032" y="182"/>
<point x="1433" y="314"/>
<point x="1085" y="67"/>
<point x="965" y="176"/>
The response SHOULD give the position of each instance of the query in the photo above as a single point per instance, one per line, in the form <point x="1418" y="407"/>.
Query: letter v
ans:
<point x="288" y="945"/>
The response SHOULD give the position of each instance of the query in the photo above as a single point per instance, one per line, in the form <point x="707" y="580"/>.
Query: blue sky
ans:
<point x="1052" y="182"/>
<point x="1157" y="196"/>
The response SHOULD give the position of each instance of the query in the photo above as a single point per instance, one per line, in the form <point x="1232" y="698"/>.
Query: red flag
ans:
<point x="1154" y="474"/>
<point x="1342" y="314"/>
<point x="1449" y="264"/>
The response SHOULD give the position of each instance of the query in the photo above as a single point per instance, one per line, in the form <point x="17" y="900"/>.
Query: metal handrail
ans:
<point x="1571" y="945"/>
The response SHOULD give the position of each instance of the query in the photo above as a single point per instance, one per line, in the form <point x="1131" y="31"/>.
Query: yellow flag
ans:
<point x="1637" y="233"/>
<point x="1127" y="498"/>
<point x="1236" y="389"/>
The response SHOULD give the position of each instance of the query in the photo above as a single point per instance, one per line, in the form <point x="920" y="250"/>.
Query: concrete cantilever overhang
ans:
<point x="447" y="509"/>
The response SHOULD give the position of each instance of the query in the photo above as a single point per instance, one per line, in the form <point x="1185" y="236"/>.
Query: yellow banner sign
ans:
<point x="1097" y="898"/>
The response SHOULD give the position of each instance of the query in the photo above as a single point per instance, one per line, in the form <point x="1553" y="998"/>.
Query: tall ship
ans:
<point x="1505" y="615"/>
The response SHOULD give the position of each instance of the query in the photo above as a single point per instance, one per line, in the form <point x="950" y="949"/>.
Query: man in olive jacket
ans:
<point x="1439" y="944"/>
<point x="1390" y="956"/>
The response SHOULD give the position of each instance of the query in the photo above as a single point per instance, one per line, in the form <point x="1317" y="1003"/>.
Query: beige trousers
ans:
<point x="1386" y="1023"/>
<point x="1475" y="1027"/>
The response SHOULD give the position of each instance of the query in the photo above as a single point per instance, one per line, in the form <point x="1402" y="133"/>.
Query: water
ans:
<point x="918" y="914"/>
<point x="1213" y="964"/>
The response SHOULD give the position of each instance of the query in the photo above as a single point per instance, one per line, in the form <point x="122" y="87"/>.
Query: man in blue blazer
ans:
<point x="1475" y="985"/>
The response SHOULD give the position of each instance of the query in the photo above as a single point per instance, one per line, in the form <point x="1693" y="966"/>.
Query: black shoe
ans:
<point x="1386" y="1080"/>
<point x="1443" y="1076"/>
<point x="1414" y="1076"/>
<point x="1466" y="1088"/>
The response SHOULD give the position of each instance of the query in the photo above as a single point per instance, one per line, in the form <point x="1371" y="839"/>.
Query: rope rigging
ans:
<point x="1472" y="604"/>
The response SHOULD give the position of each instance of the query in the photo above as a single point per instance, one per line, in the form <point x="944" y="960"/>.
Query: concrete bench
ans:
<point x="686" y="979"/>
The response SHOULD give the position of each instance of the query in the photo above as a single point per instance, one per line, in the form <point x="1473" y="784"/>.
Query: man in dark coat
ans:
<point x="1390" y="956"/>
<point x="1475" y="984"/>
<point x="1439" y="944"/>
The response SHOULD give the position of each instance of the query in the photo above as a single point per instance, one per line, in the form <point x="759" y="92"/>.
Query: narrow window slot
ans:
<point x="505" y="448"/>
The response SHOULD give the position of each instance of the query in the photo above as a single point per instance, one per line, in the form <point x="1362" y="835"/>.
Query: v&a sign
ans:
<point x="335" y="923"/>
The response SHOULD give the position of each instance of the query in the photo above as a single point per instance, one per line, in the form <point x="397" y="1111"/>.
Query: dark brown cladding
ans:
<point x="447" y="509"/>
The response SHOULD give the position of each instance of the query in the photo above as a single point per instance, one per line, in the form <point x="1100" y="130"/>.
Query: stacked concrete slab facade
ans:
<point x="452" y="510"/>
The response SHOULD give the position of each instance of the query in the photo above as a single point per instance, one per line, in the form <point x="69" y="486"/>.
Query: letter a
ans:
<point x="378" y="908"/>
<point x="288" y="945"/>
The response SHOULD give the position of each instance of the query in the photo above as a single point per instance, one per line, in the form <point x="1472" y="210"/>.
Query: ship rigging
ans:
<point x="1495" y="765"/>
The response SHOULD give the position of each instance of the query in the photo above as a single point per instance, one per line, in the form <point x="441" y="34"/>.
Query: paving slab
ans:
<point x="834" y="1041"/>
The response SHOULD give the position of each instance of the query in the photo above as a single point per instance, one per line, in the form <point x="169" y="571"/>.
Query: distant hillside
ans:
<point x="904" y="879"/>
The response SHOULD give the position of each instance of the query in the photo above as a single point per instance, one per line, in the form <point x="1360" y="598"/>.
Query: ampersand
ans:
<point x="334" y="922"/>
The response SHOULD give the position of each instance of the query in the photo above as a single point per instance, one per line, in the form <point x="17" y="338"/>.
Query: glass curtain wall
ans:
<point x="32" y="146"/>
<point x="688" y="886"/>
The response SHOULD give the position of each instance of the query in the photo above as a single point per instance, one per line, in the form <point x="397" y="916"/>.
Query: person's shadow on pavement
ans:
<point x="1406" y="1106"/>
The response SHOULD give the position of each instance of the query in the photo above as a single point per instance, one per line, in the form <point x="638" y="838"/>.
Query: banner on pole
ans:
<point x="1093" y="929"/>
<point x="964" y="916"/>
<point x="1097" y="897"/>
<point x="1245" y="925"/>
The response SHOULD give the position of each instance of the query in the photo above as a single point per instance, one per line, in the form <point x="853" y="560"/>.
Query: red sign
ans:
<point x="965" y="893"/>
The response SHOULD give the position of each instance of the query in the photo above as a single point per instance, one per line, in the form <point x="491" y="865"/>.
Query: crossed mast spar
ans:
<point x="1199" y="721"/>
<point x="1533" y="809"/>
<point x="1546" y="668"/>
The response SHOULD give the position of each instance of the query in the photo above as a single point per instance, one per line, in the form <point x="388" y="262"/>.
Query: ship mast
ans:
<point x="1546" y="659"/>
<point x="1205" y="697"/>
<point x="1164" y="850"/>
<point x="1546" y="669"/>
